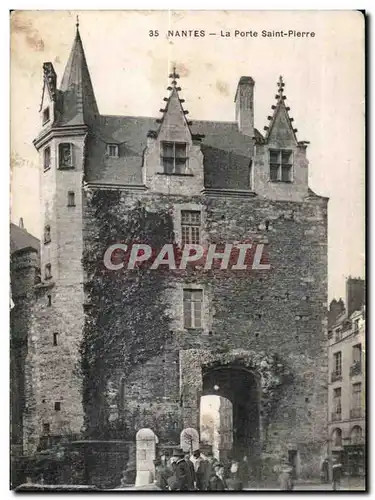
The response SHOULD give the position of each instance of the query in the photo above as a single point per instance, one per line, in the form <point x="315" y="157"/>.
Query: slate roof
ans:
<point x="227" y="153"/>
<point x="20" y="239"/>
<point x="77" y="99"/>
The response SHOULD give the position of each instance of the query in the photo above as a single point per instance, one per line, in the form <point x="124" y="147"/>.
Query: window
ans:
<point x="338" y="334"/>
<point x="47" y="272"/>
<point x="190" y="227"/>
<point x="65" y="155"/>
<point x="46" y="116"/>
<point x="251" y="174"/>
<point x="193" y="308"/>
<point x="356" y="326"/>
<point x="356" y="394"/>
<point x="49" y="297"/>
<point x="337" y="400"/>
<point x="337" y="437"/>
<point x="46" y="428"/>
<point x="357" y="353"/>
<point x="356" y="435"/>
<point x="174" y="157"/>
<point x="57" y="406"/>
<point x="46" y="158"/>
<point x="337" y="363"/>
<point x="55" y="337"/>
<point x="71" y="199"/>
<point x="112" y="150"/>
<point x="280" y="165"/>
<point x="47" y="234"/>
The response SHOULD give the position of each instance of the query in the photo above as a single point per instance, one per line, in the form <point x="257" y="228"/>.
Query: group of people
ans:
<point x="196" y="472"/>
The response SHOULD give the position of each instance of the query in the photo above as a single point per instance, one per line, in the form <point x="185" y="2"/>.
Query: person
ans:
<point x="211" y="460"/>
<point x="324" y="474"/>
<point x="200" y="465"/>
<point x="234" y="481"/>
<point x="336" y="473"/>
<point x="172" y="480"/>
<point x="217" y="482"/>
<point x="164" y="458"/>
<point x="184" y="476"/>
<point x="192" y="471"/>
<point x="244" y="471"/>
<point x="285" y="477"/>
<point x="161" y="474"/>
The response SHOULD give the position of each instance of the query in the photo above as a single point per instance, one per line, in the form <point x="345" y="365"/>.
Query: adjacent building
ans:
<point x="24" y="273"/>
<point x="347" y="380"/>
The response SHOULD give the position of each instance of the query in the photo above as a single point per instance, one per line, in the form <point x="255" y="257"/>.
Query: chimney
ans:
<point x="244" y="100"/>
<point x="20" y="224"/>
<point x="355" y="294"/>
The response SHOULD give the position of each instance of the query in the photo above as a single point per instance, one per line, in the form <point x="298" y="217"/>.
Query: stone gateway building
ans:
<point x="114" y="351"/>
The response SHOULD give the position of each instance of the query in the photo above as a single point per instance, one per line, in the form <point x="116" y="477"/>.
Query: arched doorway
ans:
<point x="241" y="387"/>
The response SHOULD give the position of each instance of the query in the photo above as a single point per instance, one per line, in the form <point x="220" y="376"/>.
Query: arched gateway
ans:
<point x="251" y="380"/>
<point x="241" y="387"/>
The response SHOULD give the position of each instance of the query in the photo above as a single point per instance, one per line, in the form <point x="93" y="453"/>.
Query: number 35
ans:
<point x="153" y="33"/>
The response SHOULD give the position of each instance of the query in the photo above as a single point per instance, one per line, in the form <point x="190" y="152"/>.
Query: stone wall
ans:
<point x="281" y="311"/>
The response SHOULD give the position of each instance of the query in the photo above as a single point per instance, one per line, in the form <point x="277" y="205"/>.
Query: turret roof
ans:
<point x="78" y="105"/>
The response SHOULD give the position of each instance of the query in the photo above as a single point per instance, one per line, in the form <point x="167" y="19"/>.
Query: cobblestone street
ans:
<point x="348" y="484"/>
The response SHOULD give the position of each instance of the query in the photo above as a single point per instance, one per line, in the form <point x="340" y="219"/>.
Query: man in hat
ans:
<point x="184" y="478"/>
<point x="217" y="482"/>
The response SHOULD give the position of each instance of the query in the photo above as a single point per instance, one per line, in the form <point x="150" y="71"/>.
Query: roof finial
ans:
<point x="174" y="77"/>
<point x="281" y="86"/>
<point x="77" y="22"/>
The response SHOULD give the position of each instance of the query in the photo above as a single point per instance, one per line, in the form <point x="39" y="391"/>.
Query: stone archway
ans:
<point x="240" y="386"/>
<point x="269" y="375"/>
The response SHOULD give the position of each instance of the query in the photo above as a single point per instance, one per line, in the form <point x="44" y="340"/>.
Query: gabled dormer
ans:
<point x="49" y="96"/>
<point x="173" y="162"/>
<point x="280" y="166"/>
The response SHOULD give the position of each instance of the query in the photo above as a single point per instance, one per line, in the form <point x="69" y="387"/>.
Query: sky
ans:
<point x="324" y="79"/>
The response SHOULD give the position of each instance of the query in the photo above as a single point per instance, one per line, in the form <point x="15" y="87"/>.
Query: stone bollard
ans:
<point x="146" y="441"/>
<point x="189" y="440"/>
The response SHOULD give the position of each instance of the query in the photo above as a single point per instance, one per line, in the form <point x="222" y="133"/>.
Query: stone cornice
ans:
<point x="70" y="130"/>
<point x="112" y="187"/>
<point x="237" y="193"/>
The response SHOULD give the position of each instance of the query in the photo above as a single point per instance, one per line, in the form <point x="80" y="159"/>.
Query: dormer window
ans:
<point x="66" y="155"/>
<point x="174" y="157"/>
<point x="281" y="162"/>
<point x="45" y="116"/>
<point x="112" y="150"/>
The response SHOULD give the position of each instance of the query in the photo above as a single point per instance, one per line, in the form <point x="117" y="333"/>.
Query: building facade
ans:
<point x="24" y="273"/>
<point x="111" y="351"/>
<point x="347" y="378"/>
